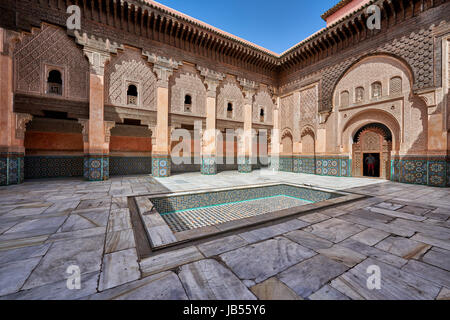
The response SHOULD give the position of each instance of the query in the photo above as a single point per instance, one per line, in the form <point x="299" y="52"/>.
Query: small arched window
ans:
<point x="376" y="90"/>
<point x="345" y="98"/>
<point x="54" y="82"/>
<point x="230" y="110"/>
<point x="395" y="85"/>
<point x="261" y="115"/>
<point x="359" y="94"/>
<point x="132" y="94"/>
<point x="187" y="103"/>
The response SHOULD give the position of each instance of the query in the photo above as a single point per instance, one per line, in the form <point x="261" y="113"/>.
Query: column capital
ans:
<point x="97" y="50"/>
<point x="21" y="121"/>
<point x="163" y="67"/>
<point x="108" y="126"/>
<point x="249" y="88"/>
<point x="212" y="79"/>
<point x="85" y="129"/>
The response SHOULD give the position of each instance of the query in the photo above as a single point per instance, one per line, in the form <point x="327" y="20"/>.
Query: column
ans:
<point x="12" y="125"/>
<point x="96" y="131"/>
<point x="163" y="69"/>
<point x="275" y="138"/>
<point x="246" y="157"/>
<point x="209" y="137"/>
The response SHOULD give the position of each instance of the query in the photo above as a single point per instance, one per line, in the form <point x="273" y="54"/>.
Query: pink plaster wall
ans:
<point x="354" y="5"/>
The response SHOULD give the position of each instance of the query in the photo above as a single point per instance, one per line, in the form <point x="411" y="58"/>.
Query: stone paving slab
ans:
<point x="221" y="245"/>
<point x="118" y="268"/>
<point x="328" y="293"/>
<point x="370" y="236"/>
<point x="438" y="257"/>
<point x="85" y="253"/>
<point x="169" y="260"/>
<point x="161" y="286"/>
<point x="428" y="272"/>
<point x="374" y="253"/>
<point x="334" y="230"/>
<point x="58" y="290"/>
<point x="275" y="230"/>
<point x="263" y="260"/>
<point x="395" y="284"/>
<point x="308" y="240"/>
<point x="14" y="274"/>
<point x="274" y="289"/>
<point x="119" y="240"/>
<point x="402" y="247"/>
<point x="308" y="276"/>
<point x="209" y="280"/>
<point x="23" y="253"/>
<point x="343" y="255"/>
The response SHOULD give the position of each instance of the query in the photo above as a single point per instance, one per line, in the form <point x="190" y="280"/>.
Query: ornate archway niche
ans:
<point x="287" y="143"/>
<point x="308" y="141"/>
<point x="372" y="140"/>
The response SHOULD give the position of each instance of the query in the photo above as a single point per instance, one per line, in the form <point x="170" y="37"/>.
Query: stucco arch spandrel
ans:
<point x="366" y="117"/>
<point x="307" y="129"/>
<point x="333" y="76"/>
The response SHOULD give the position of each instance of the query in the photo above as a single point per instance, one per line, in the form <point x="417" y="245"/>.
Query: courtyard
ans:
<point x="47" y="226"/>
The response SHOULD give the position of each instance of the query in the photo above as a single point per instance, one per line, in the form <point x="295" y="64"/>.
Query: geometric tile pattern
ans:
<point x="96" y="167"/>
<point x="244" y="164"/>
<point x="285" y="164"/>
<point x="421" y="170"/>
<point x="195" y="200"/>
<point x="304" y="165"/>
<point x="209" y="166"/>
<point x="122" y="166"/>
<point x="324" y="166"/>
<point x="11" y="168"/>
<point x="213" y="215"/>
<point x="161" y="166"/>
<point x="37" y="167"/>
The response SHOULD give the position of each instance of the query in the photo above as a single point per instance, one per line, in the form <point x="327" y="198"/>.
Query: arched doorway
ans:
<point x="286" y="151"/>
<point x="372" y="146"/>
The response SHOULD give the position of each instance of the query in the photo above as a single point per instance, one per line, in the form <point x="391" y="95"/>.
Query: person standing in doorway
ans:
<point x="370" y="161"/>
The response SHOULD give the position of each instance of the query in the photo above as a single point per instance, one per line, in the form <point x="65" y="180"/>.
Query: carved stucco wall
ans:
<point x="409" y="112"/>
<point x="188" y="84"/>
<point x="129" y="67"/>
<point x="230" y="93"/>
<point x="287" y="106"/>
<point x="263" y="101"/>
<point x="45" y="49"/>
<point x="309" y="103"/>
<point x="415" y="48"/>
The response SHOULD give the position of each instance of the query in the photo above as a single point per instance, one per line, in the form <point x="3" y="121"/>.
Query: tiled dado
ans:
<point x="334" y="166"/>
<point x="122" y="166"/>
<point x="244" y="165"/>
<point x="433" y="171"/>
<point x="161" y="166"/>
<point x="96" y="167"/>
<point x="11" y="168"/>
<point x="38" y="167"/>
<point x="209" y="166"/>
<point x="285" y="164"/>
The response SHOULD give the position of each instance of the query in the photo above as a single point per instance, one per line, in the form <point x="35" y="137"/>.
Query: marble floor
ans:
<point x="50" y="227"/>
